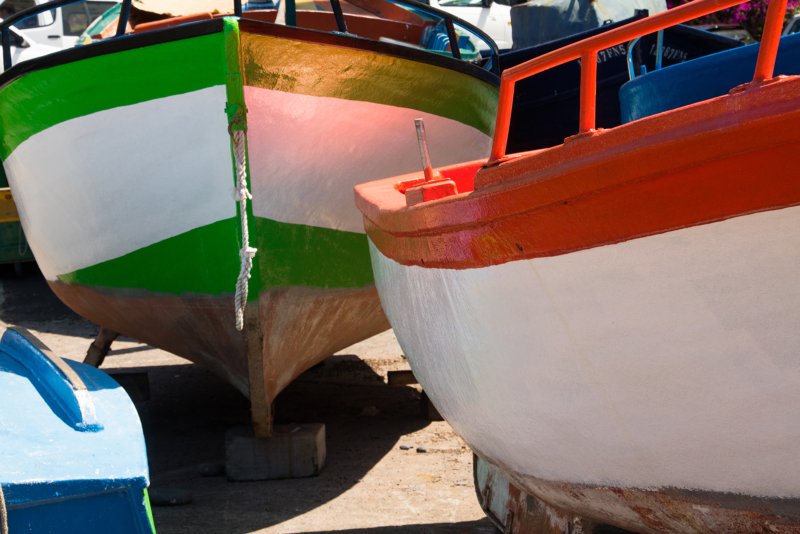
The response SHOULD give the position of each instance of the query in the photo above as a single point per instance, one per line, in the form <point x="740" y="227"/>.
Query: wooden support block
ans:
<point x="401" y="378"/>
<point x="292" y="451"/>
<point x="135" y="383"/>
<point x="428" y="410"/>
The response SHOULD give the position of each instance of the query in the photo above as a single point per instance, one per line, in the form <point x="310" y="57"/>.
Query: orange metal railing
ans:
<point x="587" y="49"/>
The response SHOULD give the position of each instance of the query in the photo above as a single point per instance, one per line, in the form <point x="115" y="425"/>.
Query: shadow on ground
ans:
<point x="28" y="301"/>
<point x="190" y="410"/>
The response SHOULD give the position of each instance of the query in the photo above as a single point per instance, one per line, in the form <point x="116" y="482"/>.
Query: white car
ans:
<point x="23" y="48"/>
<point x="491" y="17"/>
<point x="59" y="27"/>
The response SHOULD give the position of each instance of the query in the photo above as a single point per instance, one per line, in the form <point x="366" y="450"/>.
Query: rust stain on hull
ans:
<point x="303" y="326"/>
<point x="524" y="504"/>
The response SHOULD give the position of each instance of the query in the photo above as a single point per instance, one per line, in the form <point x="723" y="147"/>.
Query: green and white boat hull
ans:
<point x="123" y="166"/>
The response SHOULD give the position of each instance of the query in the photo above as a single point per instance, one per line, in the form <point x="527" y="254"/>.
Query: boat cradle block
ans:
<point x="72" y="452"/>
<point x="292" y="451"/>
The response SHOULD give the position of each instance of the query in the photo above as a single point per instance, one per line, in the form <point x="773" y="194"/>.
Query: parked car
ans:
<point x="494" y="18"/>
<point x="23" y="48"/>
<point x="57" y="28"/>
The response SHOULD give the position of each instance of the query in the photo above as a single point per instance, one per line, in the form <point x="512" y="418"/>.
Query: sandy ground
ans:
<point x="369" y="483"/>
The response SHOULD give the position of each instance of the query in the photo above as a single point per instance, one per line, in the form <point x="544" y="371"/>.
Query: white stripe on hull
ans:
<point x="308" y="152"/>
<point x="666" y="361"/>
<point x="100" y="186"/>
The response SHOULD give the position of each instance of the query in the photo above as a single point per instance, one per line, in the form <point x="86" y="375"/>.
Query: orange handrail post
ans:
<point x="768" y="50"/>
<point x="588" y="48"/>
<point x="503" y="120"/>
<point x="588" y="91"/>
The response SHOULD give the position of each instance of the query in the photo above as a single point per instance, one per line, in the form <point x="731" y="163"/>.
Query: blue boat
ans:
<point x="72" y="453"/>
<point x="700" y="79"/>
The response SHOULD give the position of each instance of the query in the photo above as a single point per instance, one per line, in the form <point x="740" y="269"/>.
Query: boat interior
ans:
<point x="750" y="67"/>
<point x="395" y="22"/>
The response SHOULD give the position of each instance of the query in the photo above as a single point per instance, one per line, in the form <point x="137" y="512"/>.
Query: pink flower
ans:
<point x="750" y="15"/>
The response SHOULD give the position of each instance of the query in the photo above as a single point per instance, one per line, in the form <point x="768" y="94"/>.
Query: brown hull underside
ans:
<point x="525" y="504"/>
<point x="295" y="329"/>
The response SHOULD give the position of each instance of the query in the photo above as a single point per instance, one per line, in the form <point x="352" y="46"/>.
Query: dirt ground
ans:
<point x="369" y="484"/>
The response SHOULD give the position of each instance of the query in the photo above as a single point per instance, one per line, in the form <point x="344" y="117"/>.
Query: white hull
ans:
<point x="108" y="183"/>
<point x="669" y="361"/>
<point x="305" y="174"/>
<point x="121" y="179"/>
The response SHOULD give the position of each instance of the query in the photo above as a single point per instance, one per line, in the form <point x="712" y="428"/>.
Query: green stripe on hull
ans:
<point x="205" y="261"/>
<point x="202" y="261"/>
<point x="300" y="255"/>
<point x="40" y="99"/>
<point x="44" y="98"/>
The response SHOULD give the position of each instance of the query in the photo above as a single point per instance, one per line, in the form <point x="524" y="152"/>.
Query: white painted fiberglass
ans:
<point x="666" y="361"/>
<point x="100" y="186"/>
<point x="308" y="152"/>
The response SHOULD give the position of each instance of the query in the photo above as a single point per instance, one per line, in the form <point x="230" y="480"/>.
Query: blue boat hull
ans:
<point x="72" y="454"/>
<point x="706" y="77"/>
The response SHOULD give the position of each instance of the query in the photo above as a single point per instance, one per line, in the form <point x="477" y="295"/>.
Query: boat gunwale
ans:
<point x="208" y="27"/>
<point x="454" y="231"/>
<point x="111" y="46"/>
<point x="346" y="40"/>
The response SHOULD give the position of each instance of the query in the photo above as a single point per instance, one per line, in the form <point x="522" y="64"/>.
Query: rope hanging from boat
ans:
<point x="238" y="131"/>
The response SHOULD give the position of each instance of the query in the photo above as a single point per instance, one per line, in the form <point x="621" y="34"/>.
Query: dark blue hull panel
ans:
<point x="701" y="79"/>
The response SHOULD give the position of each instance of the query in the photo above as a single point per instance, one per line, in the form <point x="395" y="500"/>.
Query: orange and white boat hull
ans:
<point x="668" y="361"/>
<point x="613" y="323"/>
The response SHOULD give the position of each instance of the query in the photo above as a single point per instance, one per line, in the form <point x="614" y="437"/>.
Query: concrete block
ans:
<point x="293" y="451"/>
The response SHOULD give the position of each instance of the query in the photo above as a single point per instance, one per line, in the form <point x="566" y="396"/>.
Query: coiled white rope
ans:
<point x="246" y="253"/>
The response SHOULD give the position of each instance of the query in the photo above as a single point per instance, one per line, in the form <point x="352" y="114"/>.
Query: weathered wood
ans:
<point x="100" y="347"/>
<point x="260" y="398"/>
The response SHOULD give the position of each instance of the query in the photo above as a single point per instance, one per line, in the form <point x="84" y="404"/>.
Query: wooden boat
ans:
<point x="73" y="455"/>
<point x="134" y="188"/>
<point x="611" y="323"/>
